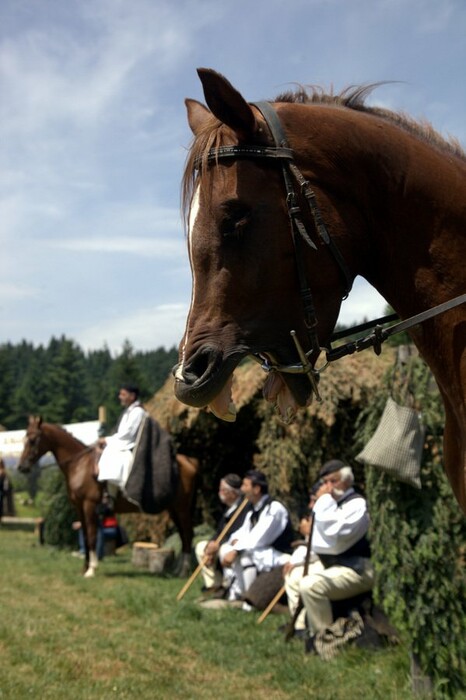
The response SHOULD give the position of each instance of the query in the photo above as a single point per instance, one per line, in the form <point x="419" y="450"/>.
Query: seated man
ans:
<point x="229" y="492"/>
<point x="343" y="568"/>
<point x="262" y="542"/>
<point x="116" y="459"/>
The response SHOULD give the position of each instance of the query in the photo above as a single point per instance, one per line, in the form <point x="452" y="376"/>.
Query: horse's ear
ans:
<point x="197" y="115"/>
<point x="226" y="103"/>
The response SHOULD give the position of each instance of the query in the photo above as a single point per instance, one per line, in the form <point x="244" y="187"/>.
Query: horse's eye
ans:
<point x="235" y="219"/>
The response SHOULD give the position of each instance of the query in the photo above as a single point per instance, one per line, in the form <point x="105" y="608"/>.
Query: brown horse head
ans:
<point x="238" y="228"/>
<point x="375" y="194"/>
<point x="35" y="445"/>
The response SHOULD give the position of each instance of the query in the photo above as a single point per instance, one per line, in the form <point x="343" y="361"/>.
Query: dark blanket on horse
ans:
<point x="154" y="474"/>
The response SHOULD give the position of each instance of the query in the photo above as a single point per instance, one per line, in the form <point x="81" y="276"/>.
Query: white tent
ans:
<point x="12" y="441"/>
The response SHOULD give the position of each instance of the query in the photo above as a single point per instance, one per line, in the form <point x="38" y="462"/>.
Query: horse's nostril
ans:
<point x="202" y="362"/>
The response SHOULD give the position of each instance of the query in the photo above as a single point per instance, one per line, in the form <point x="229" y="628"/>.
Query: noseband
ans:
<point x="284" y="155"/>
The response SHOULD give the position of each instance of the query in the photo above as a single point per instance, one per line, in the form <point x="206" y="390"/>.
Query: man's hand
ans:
<point x="211" y="548"/>
<point x="229" y="558"/>
<point x="304" y="527"/>
<point x="325" y="488"/>
<point x="287" y="568"/>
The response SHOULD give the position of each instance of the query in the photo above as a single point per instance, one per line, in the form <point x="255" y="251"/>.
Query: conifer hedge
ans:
<point x="418" y="541"/>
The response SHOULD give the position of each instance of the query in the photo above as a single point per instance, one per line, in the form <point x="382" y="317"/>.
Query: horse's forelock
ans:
<point x="211" y="135"/>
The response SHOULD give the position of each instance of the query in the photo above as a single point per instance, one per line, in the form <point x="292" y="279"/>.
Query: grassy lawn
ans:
<point x="23" y="508"/>
<point x="124" y="635"/>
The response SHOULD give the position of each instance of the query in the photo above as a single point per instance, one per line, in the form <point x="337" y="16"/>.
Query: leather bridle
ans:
<point x="284" y="155"/>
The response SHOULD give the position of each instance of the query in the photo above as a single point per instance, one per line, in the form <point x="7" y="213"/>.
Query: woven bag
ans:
<point x="396" y="446"/>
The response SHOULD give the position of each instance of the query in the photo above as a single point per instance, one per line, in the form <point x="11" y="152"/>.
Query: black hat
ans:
<point x="233" y="480"/>
<point x="333" y="465"/>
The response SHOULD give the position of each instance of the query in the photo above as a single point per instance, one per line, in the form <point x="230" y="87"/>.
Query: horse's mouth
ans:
<point x="207" y="380"/>
<point x="24" y="467"/>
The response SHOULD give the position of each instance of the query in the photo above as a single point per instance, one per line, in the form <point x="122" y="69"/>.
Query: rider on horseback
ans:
<point x="117" y="456"/>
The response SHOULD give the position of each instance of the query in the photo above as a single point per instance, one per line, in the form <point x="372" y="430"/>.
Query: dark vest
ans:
<point x="283" y="542"/>
<point x="350" y="557"/>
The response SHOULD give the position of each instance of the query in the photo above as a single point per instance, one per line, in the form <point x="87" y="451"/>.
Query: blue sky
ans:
<point x="93" y="137"/>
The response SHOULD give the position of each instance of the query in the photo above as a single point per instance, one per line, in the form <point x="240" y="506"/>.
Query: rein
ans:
<point x="380" y="334"/>
<point x="284" y="155"/>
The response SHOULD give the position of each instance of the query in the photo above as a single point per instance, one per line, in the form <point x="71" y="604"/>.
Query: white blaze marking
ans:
<point x="193" y="214"/>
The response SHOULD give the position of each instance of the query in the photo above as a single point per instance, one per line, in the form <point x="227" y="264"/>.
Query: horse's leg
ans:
<point x="89" y="524"/>
<point x="182" y="509"/>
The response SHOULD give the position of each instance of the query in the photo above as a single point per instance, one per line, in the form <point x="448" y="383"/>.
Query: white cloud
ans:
<point x="10" y="292"/>
<point x="93" y="130"/>
<point x="134" y="245"/>
<point x="146" y="329"/>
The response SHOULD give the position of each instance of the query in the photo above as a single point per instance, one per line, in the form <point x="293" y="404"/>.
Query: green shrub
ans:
<point x="417" y="539"/>
<point x="57" y="511"/>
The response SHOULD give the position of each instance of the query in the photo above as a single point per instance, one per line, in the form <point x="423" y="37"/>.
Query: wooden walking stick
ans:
<point x="271" y="605"/>
<point x="218" y="541"/>
<point x="290" y="630"/>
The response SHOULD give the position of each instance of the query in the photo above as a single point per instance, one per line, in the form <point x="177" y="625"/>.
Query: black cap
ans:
<point x="233" y="480"/>
<point x="333" y="465"/>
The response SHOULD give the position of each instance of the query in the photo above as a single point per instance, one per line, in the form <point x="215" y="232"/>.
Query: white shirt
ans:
<point x="271" y="523"/>
<point x="125" y="436"/>
<point x="117" y="459"/>
<point x="336" y="528"/>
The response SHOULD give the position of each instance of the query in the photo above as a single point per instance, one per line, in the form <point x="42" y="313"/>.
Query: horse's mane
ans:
<point x="64" y="430"/>
<point x="352" y="97"/>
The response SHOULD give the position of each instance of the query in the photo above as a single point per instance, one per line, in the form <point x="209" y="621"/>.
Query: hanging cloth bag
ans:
<point x="397" y="444"/>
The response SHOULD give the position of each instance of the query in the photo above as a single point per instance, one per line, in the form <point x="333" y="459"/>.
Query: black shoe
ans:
<point x="309" y="647"/>
<point x="296" y="634"/>
<point x="301" y="634"/>
<point x="215" y="592"/>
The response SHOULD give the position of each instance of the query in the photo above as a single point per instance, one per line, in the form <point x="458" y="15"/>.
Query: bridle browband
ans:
<point x="284" y="155"/>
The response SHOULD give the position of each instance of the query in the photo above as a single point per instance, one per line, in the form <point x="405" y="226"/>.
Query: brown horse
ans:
<point x="287" y="202"/>
<point x="77" y="463"/>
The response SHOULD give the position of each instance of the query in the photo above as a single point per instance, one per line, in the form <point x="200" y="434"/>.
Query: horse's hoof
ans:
<point x="89" y="573"/>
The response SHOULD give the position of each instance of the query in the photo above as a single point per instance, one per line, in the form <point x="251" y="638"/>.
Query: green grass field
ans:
<point x="123" y="635"/>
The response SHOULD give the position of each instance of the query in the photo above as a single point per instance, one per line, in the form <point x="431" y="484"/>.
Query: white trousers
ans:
<point x="248" y="564"/>
<point x="115" y="466"/>
<point x="210" y="574"/>
<point x="292" y="581"/>
<point x="322" y="585"/>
